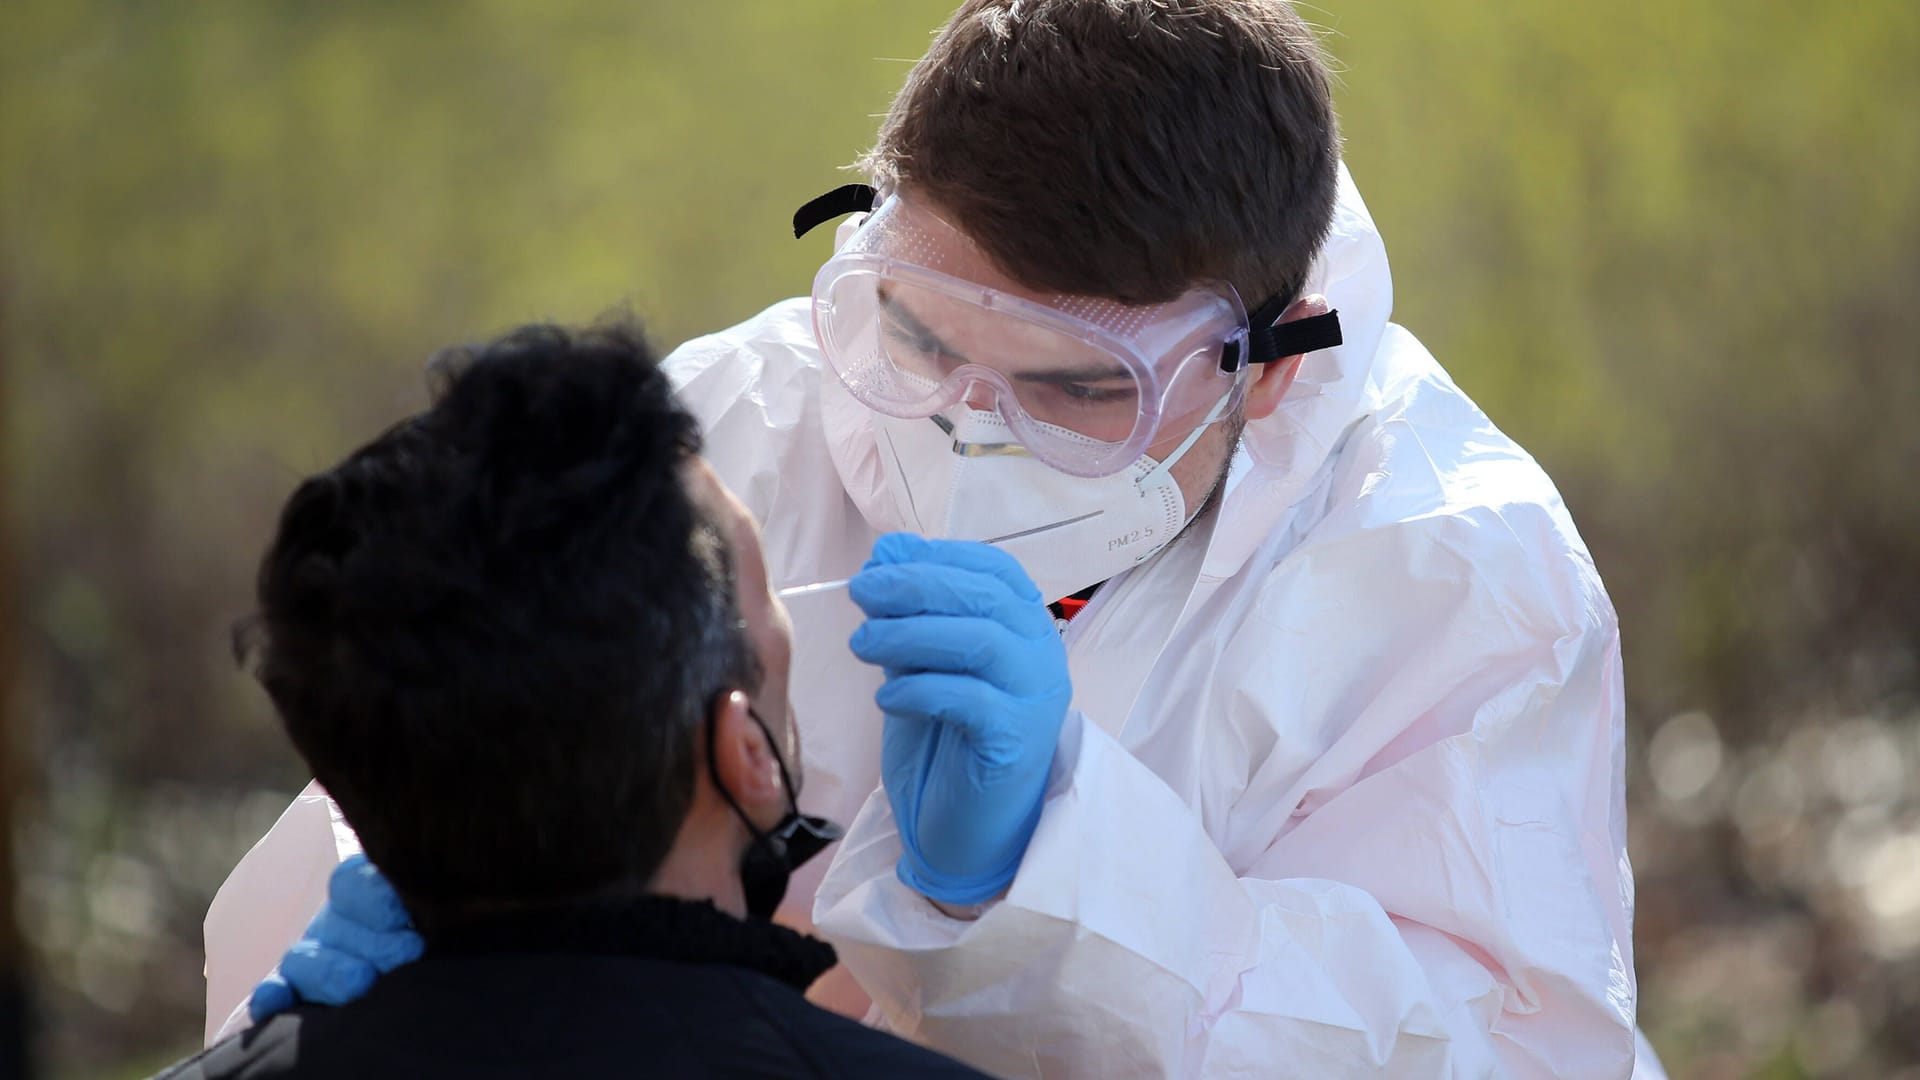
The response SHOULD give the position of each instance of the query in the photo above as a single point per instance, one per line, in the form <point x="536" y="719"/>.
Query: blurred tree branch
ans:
<point x="14" y="1000"/>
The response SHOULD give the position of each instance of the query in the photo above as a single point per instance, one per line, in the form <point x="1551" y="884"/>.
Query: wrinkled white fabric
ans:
<point x="1342" y="790"/>
<point x="268" y="900"/>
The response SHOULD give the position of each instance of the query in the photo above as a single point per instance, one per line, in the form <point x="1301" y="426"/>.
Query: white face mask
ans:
<point x="961" y="475"/>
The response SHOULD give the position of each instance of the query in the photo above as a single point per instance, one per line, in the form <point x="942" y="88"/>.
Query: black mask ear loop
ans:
<point x="772" y="856"/>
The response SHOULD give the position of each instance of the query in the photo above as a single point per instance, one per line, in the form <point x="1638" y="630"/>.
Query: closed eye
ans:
<point x="1096" y="394"/>
<point x="900" y="325"/>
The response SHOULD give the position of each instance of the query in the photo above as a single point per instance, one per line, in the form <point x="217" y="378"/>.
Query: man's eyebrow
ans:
<point x="914" y="326"/>
<point x="1061" y="377"/>
<point x="1066" y="376"/>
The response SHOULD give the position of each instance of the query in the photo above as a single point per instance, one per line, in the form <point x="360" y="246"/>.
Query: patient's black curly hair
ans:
<point x="493" y="630"/>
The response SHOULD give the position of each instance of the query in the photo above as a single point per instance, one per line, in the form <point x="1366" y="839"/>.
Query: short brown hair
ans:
<point x="1125" y="148"/>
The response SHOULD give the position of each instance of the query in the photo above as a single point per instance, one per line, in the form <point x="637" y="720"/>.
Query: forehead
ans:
<point x="729" y="517"/>
<point x="915" y="230"/>
<point x="922" y="233"/>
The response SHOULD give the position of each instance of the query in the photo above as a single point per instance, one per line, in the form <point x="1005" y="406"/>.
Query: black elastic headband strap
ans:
<point x="841" y="201"/>
<point x="1269" y="339"/>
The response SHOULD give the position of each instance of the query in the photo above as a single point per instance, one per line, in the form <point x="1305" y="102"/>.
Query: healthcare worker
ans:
<point x="1326" y="776"/>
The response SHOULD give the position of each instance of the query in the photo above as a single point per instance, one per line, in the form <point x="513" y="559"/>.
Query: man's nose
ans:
<point x="981" y="397"/>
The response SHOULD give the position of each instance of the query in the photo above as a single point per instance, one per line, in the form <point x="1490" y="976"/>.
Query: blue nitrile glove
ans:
<point x="361" y="933"/>
<point x="976" y="689"/>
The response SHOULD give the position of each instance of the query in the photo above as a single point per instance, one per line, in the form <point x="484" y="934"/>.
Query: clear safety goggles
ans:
<point x="1085" y="384"/>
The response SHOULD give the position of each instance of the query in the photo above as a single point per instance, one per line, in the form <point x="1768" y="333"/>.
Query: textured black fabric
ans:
<point x="681" y="931"/>
<point x="658" y="989"/>
<point x="1269" y="341"/>
<point x="16" y="1025"/>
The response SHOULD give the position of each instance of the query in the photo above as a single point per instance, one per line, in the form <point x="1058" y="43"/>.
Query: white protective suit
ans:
<point x="1341" y="791"/>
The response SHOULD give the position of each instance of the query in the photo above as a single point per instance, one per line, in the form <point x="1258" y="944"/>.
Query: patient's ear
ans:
<point x="746" y="765"/>
<point x="1271" y="380"/>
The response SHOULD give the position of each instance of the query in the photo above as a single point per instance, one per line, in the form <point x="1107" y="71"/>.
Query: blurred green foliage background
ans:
<point x="1673" y="248"/>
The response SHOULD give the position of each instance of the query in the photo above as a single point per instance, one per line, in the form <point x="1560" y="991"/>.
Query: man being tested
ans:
<point x="526" y="640"/>
<point x="1331" y="785"/>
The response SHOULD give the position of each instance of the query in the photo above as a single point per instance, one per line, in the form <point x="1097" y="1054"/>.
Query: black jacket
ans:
<point x="661" y="988"/>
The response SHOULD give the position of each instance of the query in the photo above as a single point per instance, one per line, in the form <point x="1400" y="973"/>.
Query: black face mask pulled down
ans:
<point x="773" y="855"/>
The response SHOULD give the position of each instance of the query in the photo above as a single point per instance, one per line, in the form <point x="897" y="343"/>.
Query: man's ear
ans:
<point x="746" y="764"/>
<point x="1271" y="380"/>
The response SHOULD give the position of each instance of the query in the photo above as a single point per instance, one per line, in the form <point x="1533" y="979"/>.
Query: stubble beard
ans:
<point x="1217" y="491"/>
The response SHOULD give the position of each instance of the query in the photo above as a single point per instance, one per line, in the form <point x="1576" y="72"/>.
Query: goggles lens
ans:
<point x="908" y="350"/>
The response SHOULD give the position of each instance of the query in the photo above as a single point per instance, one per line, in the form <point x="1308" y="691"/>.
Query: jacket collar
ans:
<point x="655" y="927"/>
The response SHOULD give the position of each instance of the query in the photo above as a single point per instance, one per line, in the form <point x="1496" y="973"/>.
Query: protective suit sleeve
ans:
<point x="1459" y="906"/>
<point x="267" y="901"/>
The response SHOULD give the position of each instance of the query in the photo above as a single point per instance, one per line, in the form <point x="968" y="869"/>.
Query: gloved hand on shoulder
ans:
<point x="361" y="933"/>
<point x="976" y="690"/>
